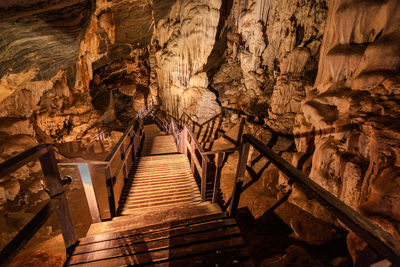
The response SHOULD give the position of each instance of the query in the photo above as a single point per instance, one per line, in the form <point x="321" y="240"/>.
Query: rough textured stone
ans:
<point x="186" y="40"/>
<point x="42" y="35"/>
<point x="355" y="109"/>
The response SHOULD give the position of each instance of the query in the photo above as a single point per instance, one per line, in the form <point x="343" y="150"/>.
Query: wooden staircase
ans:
<point x="165" y="222"/>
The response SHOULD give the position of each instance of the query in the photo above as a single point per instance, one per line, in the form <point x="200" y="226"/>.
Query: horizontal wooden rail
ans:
<point x="29" y="230"/>
<point x="58" y="203"/>
<point x="70" y="162"/>
<point x="114" y="165"/>
<point x="377" y="238"/>
<point x="20" y="160"/>
<point x="228" y="150"/>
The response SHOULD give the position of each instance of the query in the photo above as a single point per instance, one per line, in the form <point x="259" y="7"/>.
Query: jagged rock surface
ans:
<point x="185" y="41"/>
<point x="355" y="107"/>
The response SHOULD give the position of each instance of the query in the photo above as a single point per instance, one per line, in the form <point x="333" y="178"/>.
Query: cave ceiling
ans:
<point x="45" y="35"/>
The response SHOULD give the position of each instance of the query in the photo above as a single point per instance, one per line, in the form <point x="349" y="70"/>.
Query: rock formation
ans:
<point x="355" y="109"/>
<point x="321" y="78"/>
<point x="185" y="40"/>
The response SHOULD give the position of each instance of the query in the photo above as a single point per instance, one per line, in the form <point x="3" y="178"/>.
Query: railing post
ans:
<point x="110" y="191"/>
<point x="183" y="148"/>
<point x="123" y="155"/>
<point x="217" y="178"/>
<point x="203" y="179"/>
<point x="192" y="154"/>
<point x="241" y="169"/>
<point x="56" y="190"/>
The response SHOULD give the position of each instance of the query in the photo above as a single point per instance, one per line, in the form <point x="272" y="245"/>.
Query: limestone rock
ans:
<point x="11" y="189"/>
<point x="41" y="35"/>
<point x="3" y="195"/>
<point x="186" y="40"/>
<point x="352" y="108"/>
<point x="16" y="127"/>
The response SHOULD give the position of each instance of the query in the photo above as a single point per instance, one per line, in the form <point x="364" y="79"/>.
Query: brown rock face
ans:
<point x="42" y="35"/>
<point x="356" y="107"/>
<point x="122" y="86"/>
<point x="185" y="41"/>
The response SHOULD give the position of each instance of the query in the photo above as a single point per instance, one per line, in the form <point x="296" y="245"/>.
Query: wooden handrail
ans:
<point x="58" y="201"/>
<point x="377" y="238"/>
<point x="20" y="160"/>
<point x="119" y="149"/>
<point x="116" y="148"/>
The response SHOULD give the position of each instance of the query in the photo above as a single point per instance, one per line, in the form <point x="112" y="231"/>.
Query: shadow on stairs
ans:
<point x="165" y="222"/>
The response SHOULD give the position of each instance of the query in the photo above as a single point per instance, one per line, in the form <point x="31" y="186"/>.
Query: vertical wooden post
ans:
<point x="184" y="135"/>
<point x="86" y="177"/>
<point x="199" y="133"/>
<point x="220" y="158"/>
<point x="56" y="190"/>
<point x="241" y="169"/>
<point x="203" y="179"/>
<point x="192" y="154"/>
<point x="110" y="191"/>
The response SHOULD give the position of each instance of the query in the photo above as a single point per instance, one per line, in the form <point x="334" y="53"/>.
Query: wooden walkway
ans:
<point x="166" y="224"/>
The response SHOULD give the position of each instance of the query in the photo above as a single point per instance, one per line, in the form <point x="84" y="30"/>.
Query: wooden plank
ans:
<point x="160" y="201"/>
<point x="116" y="148"/>
<point x="157" y="185"/>
<point x="152" y="228"/>
<point x="380" y="240"/>
<point x="201" y="150"/>
<point x="21" y="159"/>
<point x="156" y="196"/>
<point x="225" y="257"/>
<point x="99" y="180"/>
<point x="134" y="190"/>
<point x="217" y="178"/>
<point x="153" y="236"/>
<point x="151" y="208"/>
<point x="69" y="162"/>
<point x="161" y="192"/>
<point x="110" y="191"/>
<point x="228" y="150"/>
<point x="240" y="172"/>
<point x="29" y="230"/>
<point x="89" y="192"/>
<point x="53" y="182"/>
<point x="203" y="179"/>
<point x="168" y="254"/>
<point x="193" y="157"/>
<point x="166" y="248"/>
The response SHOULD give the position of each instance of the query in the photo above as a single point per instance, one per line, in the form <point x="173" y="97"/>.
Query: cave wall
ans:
<point x="52" y="53"/>
<point x="181" y="46"/>
<point x="354" y="111"/>
<point x="326" y="72"/>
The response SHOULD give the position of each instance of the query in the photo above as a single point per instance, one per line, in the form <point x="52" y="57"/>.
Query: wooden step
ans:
<point x="164" y="249"/>
<point x="164" y="223"/>
<point x="156" y="235"/>
<point x="131" y="210"/>
<point x="164" y="195"/>
<point x="134" y="194"/>
<point x="203" y="240"/>
<point x="152" y="201"/>
<point x="160" y="219"/>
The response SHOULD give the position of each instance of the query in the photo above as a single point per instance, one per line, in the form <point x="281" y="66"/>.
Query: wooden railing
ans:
<point x="103" y="187"/>
<point x="57" y="203"/>
<point x="379" y="240"/>
<point x="107" y="178"/>
<point x="188" y="145"/>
